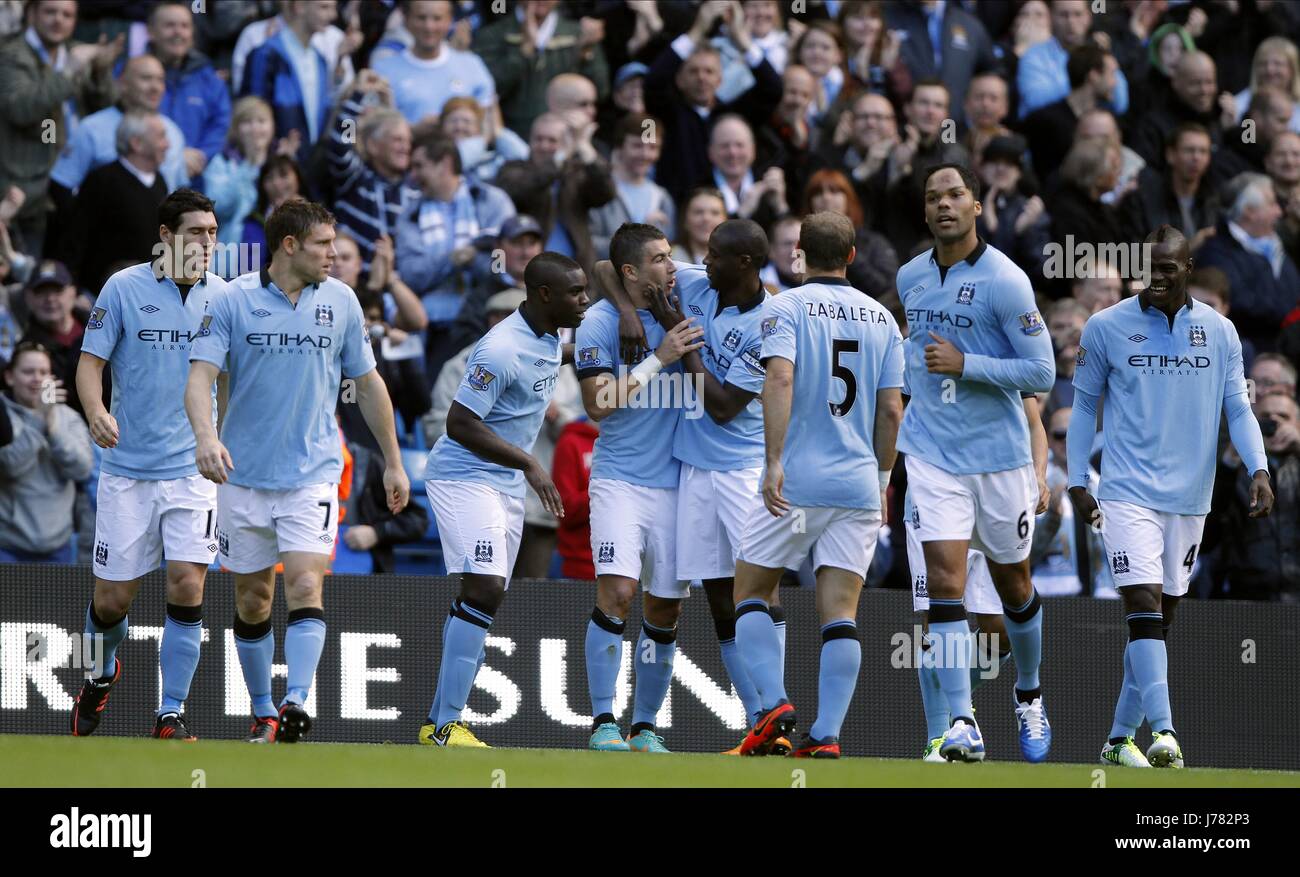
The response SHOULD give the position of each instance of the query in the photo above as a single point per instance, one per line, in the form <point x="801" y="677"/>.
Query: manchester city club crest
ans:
<point x="479" y="378"/>
<point x="1119" y="563"/>
<point x="966" y="295"/>
<point x="606" y="553"/>
<point x="1196" y="336"/>
<point x="324" y="315"/>
<point x="482" y="551"/>
<point x="732" y="341"/>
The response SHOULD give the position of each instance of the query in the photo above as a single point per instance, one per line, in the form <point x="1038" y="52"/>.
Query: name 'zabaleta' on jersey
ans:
<point x="1164" y="387"/>
<point x="845" y="347"/>
<point x="985" y="306"/>
<point x="732" y="349"/>
<point x="509" y="380"/>
<point x="144" y="329"/>
<point x="286" y="363"/>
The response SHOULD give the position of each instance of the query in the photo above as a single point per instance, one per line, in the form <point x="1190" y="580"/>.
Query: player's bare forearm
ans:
<point x="90" y="384"/>
<point x="778" y="392"/>
<point x="223" y="398"/>
<point x="377" y="409"/>
<point x="468" y="430"/>
<point x="1037" y="437"/>
<point x="718" y="403"/>
<point x="566" y="354"/>
<point x="198" y="400"/>
<point x="889" y="417"/>
<point x="604" y="394"/>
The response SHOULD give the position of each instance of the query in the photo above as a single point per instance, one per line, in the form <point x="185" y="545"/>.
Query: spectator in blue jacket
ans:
<point x="231" y="178"/>
<point x="1042" y="77"/>
<point x="942" y="41"/>
<point x="1263" y="279"/>
<point x="436" y="238"/>
<point x="294" y="77"/>
<point x="197" y="100"/>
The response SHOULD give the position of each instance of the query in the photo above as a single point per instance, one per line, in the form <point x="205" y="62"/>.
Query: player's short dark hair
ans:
<point x="826" y="239"/>
<point x="1182" y="129"/>
<point x="1084" y="60"/>
<point x="627" y="246"/>
<point x="548" y="269"/>
<point x="438" y="146"/>
<point x="744" y="237"/>
<point x="406" y="6"/>
<point x="931" y="82"/>
<point x="1167" y="234"/>
<point x="295" y="218"/>
<point x="968" y="177"/>
<point x="181" y="202"/>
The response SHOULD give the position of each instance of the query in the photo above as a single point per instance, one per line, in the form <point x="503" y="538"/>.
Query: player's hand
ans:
<point x="213" y="460"/>
<point x="1085" y="506"/>
<point x="632" y="343"/>
<point x="1044" y="495"/>
<point x="773" y="482"/>
<point x="540" y="481"/>
<point x="680" y="340"/>
<point x="1261" y="495"/>
<point x="666" y="309"/>
<point x="103" y="430"/>
<point x="397" y="488"/>
<point x="943" y="358"/>
<point x="361" y="537"/>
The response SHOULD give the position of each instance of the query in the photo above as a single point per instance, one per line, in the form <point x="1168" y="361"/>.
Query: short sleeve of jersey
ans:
<point x="595" y="347"/>
<point x="358" y="356"/>
<point x="487" y="374"/>
<point x="104" y="327"/>
<point x="746" y="371"/>
<point x="213" y="340"/>
<point x="778" y="329"/>
<point x="893" y="372"/>
<point x="1016" y="308"/>
<point x="1090" y="362"/>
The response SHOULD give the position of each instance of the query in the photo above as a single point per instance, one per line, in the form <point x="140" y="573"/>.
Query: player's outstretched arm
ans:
<point x="211" y="457"/>
<point x="469" y="431"/>
<point x="377" y="409"/>
<point x="90" y="388"/>
<point x="778" y="393"/>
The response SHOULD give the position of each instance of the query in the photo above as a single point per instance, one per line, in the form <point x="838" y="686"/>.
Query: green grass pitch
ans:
<point x="114" y="762"/>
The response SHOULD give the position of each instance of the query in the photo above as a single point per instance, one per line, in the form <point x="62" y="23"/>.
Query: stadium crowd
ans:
<point x="454" y="140"/>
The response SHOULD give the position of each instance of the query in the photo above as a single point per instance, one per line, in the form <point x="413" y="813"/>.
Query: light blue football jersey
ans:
<point x="286" y="363"/>
<point x="985" y="306"/>
<point x="845" y="348"/>
<point x="509" y="380"/>
<point x="1164" y="387"/>
<point x="731" y="353"/>
<point x="636" y="442"/>
<point x="143" y="329"/>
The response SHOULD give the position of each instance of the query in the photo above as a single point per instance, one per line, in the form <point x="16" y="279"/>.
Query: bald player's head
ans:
<point x="827" y="242"/>
<point x="737" y="252"/>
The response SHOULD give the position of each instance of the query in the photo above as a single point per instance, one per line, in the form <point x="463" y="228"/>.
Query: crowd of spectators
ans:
<point x="456" y="139"/>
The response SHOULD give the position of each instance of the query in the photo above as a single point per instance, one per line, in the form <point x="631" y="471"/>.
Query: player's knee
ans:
<point x="303" y="589"/>
<point x="185" y="589"/>
<point x="614" y="597"/>
<point x="662" y="613"/>
<point x="485" y="592"/>
<point x="253" y="605"/>
<point x="112" y="599"/>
